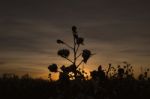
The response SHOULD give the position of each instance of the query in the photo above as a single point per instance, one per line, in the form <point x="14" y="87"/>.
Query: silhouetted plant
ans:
<point x="120" y="73"/>
<point x="144" y="76"/>
<point x="98" y="75"/>
<point x="114" y="82"/>
<point x="73" y="70"/>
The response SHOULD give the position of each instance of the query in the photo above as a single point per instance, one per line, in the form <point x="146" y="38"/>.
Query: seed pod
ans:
<point x="72" y="68"/>
<point x="63" y="53"/>
<point x="74" y="29"/>
<point x="53" y="68"/>
<point x="86" y="55"/>
<point x="80" y="40"/>
<point x="60" y="42"/>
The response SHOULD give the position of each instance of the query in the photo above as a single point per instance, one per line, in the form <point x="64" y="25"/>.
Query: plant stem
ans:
<point x="74" y="50"/>
<point x="79" y="55"/>
<point x="68" y="46"/>
<point x="79" y="64"/>
<point x="69" y="60"/>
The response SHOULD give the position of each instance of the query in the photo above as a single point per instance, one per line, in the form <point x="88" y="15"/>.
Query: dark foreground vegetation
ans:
<point x="115" y="82"/>
<point x="13" y="87"/>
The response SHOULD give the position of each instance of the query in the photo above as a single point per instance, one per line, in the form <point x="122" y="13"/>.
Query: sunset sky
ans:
<point x="116" y="30"/>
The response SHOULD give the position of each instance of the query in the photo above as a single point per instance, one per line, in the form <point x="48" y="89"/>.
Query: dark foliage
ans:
<point x="112" y="83"/>
<point x="13" y="87"/>
<point x="98" y="87"/>
<point x="74" y="83"/>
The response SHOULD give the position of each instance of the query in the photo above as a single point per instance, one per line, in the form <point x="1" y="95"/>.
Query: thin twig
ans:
<point x="68" y="45"/>
<point x="79" y="64"/>
<point x="74" y="50"/>
<point x="79" y="55"/>
<point x="68" y="59"/>
<point x="77" y="48"/>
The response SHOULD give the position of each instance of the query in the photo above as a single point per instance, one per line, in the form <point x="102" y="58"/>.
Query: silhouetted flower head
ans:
<point x="49" y="75"/>
<point x="64" y="53"/>
<point x="80" y="40"/>
<point x="63" y="68"/>
<point x="145" y="74"/>
<point x="60" y="42"/>
<point x="110" y="65"/>
<point x="120" y="72"/>
<point x="86" y="55"/>
<point x="74" y="29"/>
<point x="72" y="67"/>
<point x="53" y="68"/>
<point x="100" y="68"/>
<point x="93" y="74"/>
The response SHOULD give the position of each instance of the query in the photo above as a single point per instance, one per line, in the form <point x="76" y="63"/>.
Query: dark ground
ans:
<point x="12" y="87"/>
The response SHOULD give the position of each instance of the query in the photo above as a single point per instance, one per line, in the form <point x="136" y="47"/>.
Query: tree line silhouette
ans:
<point x="74" y="82"/>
